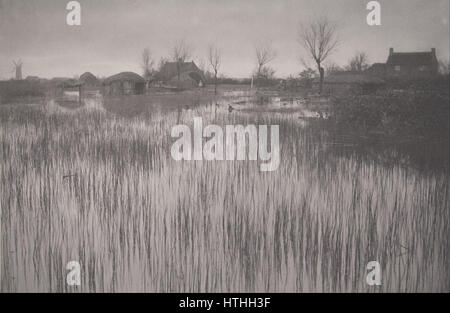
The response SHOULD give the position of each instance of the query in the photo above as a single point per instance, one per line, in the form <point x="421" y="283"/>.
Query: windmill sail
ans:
<point x="18" y="69"/>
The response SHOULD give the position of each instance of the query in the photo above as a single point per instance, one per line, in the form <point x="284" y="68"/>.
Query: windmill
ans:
<point x="18" y="69"/>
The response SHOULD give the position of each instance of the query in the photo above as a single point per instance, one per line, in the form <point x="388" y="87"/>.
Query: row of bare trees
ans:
<point x="358" y="63"/>
<point x="319" y="39"/>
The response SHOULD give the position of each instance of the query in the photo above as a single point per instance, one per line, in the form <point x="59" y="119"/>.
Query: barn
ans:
<point x="125" y="83"/>
<point x="181" y="74"/>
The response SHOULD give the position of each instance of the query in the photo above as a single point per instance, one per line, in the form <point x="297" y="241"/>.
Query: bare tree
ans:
<point x="214" y="58"/>
<point x="308" y="73"/>
<point x="332" y="68"/>
<point x="268" y="72"/>
<point x="319" y="39"/>
<point x="359" y="62"/>
<point x="444" y="67"/>
<point x="162" y="61"/>
<point x="180" y="53"/>
<point x="147" y="64"/>
<point x="201" y="64"/>
<point x="264" y="55"/>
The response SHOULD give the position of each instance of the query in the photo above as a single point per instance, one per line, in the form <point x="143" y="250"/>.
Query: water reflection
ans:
<point x="337" y="201"/>
<point x="427" y="155"/>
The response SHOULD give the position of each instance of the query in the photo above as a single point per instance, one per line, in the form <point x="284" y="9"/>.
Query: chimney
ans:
<point x="433" y="51"/>
<point x="391" y="51"/>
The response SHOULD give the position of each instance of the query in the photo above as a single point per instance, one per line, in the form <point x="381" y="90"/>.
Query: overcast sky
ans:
<point x="114" y="32"/>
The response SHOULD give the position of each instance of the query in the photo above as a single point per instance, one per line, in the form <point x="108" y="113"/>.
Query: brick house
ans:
<point x="411" y="64"/>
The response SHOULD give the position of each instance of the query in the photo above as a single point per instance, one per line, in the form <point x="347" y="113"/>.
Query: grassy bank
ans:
<point x="411" y="113"/>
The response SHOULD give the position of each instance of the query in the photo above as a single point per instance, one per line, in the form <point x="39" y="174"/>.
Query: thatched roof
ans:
<point x="170" y="70"/>
<point x="88" y="78"/>
<point x="125" y="76"/>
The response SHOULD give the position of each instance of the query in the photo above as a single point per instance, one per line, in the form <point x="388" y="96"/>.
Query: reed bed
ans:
<point x="103" y="190"/>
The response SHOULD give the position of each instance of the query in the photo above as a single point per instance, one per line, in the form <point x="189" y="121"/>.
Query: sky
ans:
<point x="113" y="33"/>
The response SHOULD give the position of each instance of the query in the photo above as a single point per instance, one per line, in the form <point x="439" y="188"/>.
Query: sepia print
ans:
<point x="224" y="146"/>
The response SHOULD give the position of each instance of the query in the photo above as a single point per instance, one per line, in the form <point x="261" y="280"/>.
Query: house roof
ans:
<point x="88" y="77"/>
<point x="377" y="66"/>
<point x="376" y="69"/>
<point x="351" y="78"/>
<point x="411" y="58"/>
<point x="170" y="70"/>
<point x="125" y="76"/>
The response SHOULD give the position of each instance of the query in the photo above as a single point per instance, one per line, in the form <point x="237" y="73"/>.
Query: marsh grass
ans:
<point x="103" y="190"/>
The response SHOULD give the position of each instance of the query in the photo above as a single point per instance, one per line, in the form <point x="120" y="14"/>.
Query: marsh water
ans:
<point x="96" y="184"/>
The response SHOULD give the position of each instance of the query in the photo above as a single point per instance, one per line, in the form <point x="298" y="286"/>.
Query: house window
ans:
<point x="397" y="68"/>
<point x="422" y="68"/>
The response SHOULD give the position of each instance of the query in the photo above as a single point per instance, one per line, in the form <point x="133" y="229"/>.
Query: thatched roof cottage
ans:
<point x="181" y="74"/>
<point x="125" y="83"/>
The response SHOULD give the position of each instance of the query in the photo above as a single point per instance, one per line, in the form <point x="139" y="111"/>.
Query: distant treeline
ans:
<point x="19" y="90"/>
<point x="243" y="81"/>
